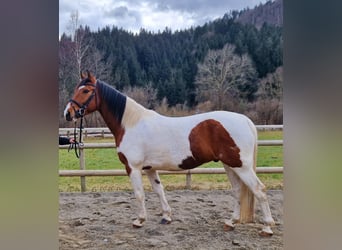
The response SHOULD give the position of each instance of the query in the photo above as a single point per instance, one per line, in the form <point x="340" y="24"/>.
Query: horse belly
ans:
<point x="168" y="156"/>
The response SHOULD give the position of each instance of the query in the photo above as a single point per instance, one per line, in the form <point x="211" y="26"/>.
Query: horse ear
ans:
<point x="91" y="77"/>
<point x="83" y="76"/>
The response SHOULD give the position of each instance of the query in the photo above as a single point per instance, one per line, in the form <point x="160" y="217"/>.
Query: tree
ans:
<point x="94" y="62"/>
<point x="78" y="37"/>
<point x="146" y="96"/>
<point x="78" y="52"/>
<point x="269" y="106"/>
<point x="223" y="74"/>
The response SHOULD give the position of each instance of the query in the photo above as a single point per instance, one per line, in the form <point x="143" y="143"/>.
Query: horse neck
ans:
<point x="111" y="107"/>
<point x="119" y="115"/>
<point x="134" y="112"/>
<point x="112" y="123"/>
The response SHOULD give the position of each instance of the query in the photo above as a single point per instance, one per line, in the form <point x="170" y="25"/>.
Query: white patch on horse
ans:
<point x="133" y="113"/>
<point x="66" y="109"/>
<point x="83" y="86"/>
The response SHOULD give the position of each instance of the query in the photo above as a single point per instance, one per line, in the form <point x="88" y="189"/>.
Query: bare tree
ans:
<point x="271" y="86"/>
<point x="78" y="37"/>
<point x="221" y="75"/>
<point x="95" y="63"/>
<point x="269" y="105"/>
<point x="146" y="96"/>
<point x="77" y="52"/>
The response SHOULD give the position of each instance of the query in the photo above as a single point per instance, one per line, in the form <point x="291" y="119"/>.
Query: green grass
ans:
<point x="107" y="159"/>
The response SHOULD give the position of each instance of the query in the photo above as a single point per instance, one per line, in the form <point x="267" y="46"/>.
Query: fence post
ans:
<point x="188" y="180"/>
<point x="82" y="167"/>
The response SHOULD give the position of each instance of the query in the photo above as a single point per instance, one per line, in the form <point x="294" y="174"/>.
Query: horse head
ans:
<point x="82" y="101"/>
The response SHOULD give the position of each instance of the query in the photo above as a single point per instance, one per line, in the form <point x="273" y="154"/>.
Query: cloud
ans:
<point x="120" y="11"/>
<point x="152" y="15"/>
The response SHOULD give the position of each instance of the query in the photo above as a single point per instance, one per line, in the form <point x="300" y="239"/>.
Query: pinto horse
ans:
<point x="147" y="141"/>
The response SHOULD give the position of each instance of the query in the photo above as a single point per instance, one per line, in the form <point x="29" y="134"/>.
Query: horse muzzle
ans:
<point x="68" y="116"/>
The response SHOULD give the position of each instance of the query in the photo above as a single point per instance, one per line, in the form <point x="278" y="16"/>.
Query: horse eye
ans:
<point x="85" y="91"/>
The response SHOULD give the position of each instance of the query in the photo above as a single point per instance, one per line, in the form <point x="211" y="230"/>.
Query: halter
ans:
<point x="80" y="114"/>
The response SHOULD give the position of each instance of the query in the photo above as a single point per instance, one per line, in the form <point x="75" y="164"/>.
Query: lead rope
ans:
<point x="76" y="145"/>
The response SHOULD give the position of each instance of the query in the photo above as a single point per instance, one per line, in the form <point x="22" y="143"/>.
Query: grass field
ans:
<point x="107" y="159"/>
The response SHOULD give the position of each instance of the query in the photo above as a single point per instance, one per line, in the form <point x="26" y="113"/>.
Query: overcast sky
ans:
<point x="152" y="15"/>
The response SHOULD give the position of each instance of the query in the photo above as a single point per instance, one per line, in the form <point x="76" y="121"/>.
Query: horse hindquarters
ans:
<point x="246" y="173"/>
<point x="250" y="179"/>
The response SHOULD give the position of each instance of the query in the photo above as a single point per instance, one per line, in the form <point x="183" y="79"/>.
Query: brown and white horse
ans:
<point x="147" y="141"/>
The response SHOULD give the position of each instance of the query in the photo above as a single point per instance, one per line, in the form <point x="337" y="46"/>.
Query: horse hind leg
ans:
<point x="159" y="189"/>
<point x="249" y="177"/>
<point x="236" y="190"/>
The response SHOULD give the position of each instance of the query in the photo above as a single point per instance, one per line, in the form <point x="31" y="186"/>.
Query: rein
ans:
<point x="80" y="114"/>
<point x="76" y="145"/>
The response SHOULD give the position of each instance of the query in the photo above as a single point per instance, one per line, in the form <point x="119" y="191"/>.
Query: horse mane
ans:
<point x="115" y="100"/>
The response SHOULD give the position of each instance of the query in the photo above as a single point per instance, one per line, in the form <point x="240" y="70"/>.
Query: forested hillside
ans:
<point x="179" y="69"/>
<point x="271" y="13"/>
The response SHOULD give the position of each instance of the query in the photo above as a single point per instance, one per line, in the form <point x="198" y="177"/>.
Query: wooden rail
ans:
<point x="105" y="132"/>
<point x="70" y="173"/>
<point x="112" y="144"/>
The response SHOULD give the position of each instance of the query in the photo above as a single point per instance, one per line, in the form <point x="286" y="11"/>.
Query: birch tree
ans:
<point x="80" y="45"/>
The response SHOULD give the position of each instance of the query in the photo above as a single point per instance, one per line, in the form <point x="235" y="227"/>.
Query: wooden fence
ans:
<point x="246" y="199"/>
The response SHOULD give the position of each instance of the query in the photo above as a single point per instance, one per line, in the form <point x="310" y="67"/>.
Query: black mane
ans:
<point x="115" y="101"/>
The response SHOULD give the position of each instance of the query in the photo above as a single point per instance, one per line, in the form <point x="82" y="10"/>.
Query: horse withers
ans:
<point x="147" y="141"/>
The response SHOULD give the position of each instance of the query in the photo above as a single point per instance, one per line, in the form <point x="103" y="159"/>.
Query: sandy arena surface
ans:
<point x="104" y="221"/>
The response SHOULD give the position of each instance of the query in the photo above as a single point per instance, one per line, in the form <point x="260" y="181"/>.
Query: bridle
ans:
<point x="82" y="107"/>
<point x="80" y="114"/>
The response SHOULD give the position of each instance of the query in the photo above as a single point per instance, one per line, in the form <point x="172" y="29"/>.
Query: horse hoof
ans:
<point x="266" y="232"/>
<point x="165" y="221"/>
<point x="228" y="225"/>
<point x="138" y="223"/>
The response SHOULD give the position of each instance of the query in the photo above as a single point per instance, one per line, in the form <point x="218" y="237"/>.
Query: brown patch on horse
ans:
<point x="123" y="159"/>
<point x="114" y="126"/>
<point x="119" y="133"/>
<point x="210" y="141"/>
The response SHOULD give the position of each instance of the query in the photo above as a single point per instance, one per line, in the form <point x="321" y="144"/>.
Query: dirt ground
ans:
<point x="104" y="221"/>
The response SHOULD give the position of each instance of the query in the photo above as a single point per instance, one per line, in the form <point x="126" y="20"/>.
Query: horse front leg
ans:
<point x="159" y="189"/>
<point x="136" y="180"/>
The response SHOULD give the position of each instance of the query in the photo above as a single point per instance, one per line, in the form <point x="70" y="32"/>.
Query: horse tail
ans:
<point x="255" y="155"/>
<point x="255" y="151"/>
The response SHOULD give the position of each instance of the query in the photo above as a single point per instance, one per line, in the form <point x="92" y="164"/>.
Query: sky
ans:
<point x="152" y="15"/>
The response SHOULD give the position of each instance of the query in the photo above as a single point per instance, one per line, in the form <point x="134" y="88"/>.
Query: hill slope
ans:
<point x="271" y="12"/>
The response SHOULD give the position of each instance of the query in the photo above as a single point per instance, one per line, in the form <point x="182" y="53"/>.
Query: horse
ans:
<point x="148" y="141"/>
